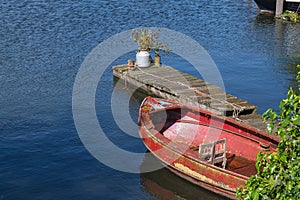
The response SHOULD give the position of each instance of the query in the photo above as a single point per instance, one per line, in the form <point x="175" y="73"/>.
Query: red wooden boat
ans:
<point x="215" y="152"/>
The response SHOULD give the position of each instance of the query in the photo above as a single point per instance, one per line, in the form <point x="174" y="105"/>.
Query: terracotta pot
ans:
<point x="157" y="60"/>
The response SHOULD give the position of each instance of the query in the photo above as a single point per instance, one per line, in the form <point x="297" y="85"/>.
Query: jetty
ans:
<point x="170" y="83"/>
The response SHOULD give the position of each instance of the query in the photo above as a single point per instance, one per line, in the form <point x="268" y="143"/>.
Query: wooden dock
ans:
<point x="169" y="83"/>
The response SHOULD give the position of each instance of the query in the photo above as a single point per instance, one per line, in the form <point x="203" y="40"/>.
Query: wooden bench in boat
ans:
<point x="214" y="152"/>
<point x="234" y="163"/>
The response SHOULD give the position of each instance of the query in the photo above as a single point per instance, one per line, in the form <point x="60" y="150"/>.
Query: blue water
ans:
<point x="42" y="46"/>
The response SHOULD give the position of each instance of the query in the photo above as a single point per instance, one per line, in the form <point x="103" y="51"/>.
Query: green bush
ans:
<point x="278" y="174"/>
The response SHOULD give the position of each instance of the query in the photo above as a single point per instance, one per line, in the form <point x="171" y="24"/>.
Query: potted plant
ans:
<point x="147" y="41"/>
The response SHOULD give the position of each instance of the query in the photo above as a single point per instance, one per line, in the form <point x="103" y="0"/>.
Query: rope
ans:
<point x="237" y="109"/>
<point x="297" y="11"/>
<point x="124" y="75"/>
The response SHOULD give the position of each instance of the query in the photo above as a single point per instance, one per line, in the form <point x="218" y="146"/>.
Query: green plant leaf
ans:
<point x="270" y="127"/>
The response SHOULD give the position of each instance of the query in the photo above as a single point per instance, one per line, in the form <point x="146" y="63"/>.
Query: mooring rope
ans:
<point x="237" y="109"/>
<point x="124" y="76"/>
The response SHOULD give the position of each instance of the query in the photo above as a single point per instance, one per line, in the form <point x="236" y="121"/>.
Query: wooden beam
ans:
<point x="279" y="8"/>
<point x="296" y="1"/>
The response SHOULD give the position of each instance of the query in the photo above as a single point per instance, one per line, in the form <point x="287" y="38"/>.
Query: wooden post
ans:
<point x="279" y="8"/>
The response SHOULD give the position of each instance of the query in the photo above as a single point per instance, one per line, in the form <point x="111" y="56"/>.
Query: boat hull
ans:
<point x="210" y="178"/>
<point x="180" y="156"/>
<point x="270" y="5"/>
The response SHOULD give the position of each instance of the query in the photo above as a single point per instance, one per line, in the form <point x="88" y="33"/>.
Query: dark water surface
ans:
<point x="42" y="46"/>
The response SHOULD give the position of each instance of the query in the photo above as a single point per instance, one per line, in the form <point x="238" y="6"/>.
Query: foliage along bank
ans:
<point x="278" y="174"/>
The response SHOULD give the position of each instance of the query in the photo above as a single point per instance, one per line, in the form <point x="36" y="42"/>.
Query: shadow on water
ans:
<point x="163" y="184"/>
<point x="266" y="18"/>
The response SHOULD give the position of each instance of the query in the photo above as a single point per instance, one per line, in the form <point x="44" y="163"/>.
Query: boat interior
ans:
<point x="211" y="139"/>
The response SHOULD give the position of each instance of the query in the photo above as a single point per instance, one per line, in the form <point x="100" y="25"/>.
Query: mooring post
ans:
<point x="279" y="8"/>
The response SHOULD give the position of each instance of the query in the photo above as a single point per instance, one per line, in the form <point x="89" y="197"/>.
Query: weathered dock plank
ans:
<point x="170" y="83"/>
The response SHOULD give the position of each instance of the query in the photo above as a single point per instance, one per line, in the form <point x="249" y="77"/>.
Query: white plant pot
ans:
<point x="143" y="58"/>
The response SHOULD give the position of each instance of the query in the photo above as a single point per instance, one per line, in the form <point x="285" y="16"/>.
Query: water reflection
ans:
<point x="266" y="18"/>
<point x="284" y="38"/>
<point x="163" y="184"/>
<point x="287" y="44"/>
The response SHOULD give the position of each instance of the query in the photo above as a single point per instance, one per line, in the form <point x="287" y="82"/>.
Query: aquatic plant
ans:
<point x="290" y="16"/>
<point x="278" y="174"/>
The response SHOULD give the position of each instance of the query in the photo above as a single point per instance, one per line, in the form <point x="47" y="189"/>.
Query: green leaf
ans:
<point x="273" y="168"/>
<point x="255" y="195"/>
<point x="270" y="127"/>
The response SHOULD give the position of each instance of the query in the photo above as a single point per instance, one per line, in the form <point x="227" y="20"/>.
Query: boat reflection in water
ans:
<point x="163" y="184"/>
